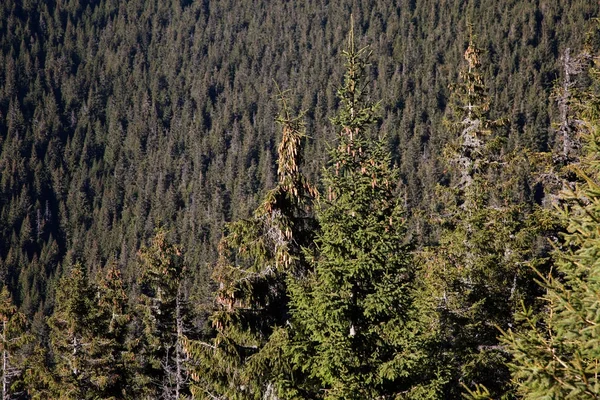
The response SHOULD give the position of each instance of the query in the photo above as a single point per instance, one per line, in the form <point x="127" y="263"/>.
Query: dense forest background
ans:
<point x="118" y="118"/>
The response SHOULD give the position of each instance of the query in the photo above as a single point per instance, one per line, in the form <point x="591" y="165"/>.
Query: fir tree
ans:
<point x="113" y="318"/>
<point x="355" y="328"/>
<point x="69" y="334"/>
<point x="163" y="319"/>
<point x="257" y="258"/>
<point x="39" y="380"/>
<point x="87" y="356"/>
<point x="476" y="274"/>
<point x="13" y="337"/>
<point x="77" y="352"/>
<point x="556" y="353"/>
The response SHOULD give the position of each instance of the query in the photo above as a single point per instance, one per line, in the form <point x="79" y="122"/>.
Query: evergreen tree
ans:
<point x="87" y="357"/>
<point x="163" y="318"/>
<point x="355" y="327"/>
<point x="556" y="352"/>
<point x="39" y="379"/>
<point x="476" y="274"/>
<point x="78" y="352"/>
<point x="113" y="318"/>
<point x="565" y="94"/>
<point x="13" y="337"/>
<point x="69" y="334"/>
<point x="257" y="258"/>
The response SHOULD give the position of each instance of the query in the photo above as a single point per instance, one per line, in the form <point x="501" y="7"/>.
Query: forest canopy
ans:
<point x="265" y="200"/>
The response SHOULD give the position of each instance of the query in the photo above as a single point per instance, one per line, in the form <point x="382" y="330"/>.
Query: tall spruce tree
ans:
<point x="556" y="353"/>
<point x="70" y="340"/>
<point x="112" y="318"/>
<point x="81" y="366"/>
<point x="163" y="319"/>
<point x="356" y="331"/>
<point x="13" y="337"/>
<point x="38" y="378"/>
<point x="88" y="356"/>
<point x="476" y="274"/>
<point x="257" y="258"/>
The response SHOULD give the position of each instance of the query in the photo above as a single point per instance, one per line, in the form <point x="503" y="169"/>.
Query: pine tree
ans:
<point x="355" y="328"/>
<point x="257" y="258"/>
<point x="555" y="353"/>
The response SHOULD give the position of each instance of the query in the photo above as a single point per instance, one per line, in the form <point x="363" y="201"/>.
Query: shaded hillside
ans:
<point x="119" y="117"/>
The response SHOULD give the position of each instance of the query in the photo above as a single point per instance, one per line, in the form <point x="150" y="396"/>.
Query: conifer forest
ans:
<point x="287" y="200"/>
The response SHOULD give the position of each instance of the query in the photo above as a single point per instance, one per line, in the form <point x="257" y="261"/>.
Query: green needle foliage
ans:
<point x="257" y="257"/>
<point x="477" y="273"/>
<point x="13" y="338"/>
<point x="113" y="318"/>
<point x="557" y="353"/>
<point x="84" y="361"/>
<point x="163" y="317"/>
<point x="356" y="331"/>
<point x="71" y="327"/>
<point x="109" y="129"/>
